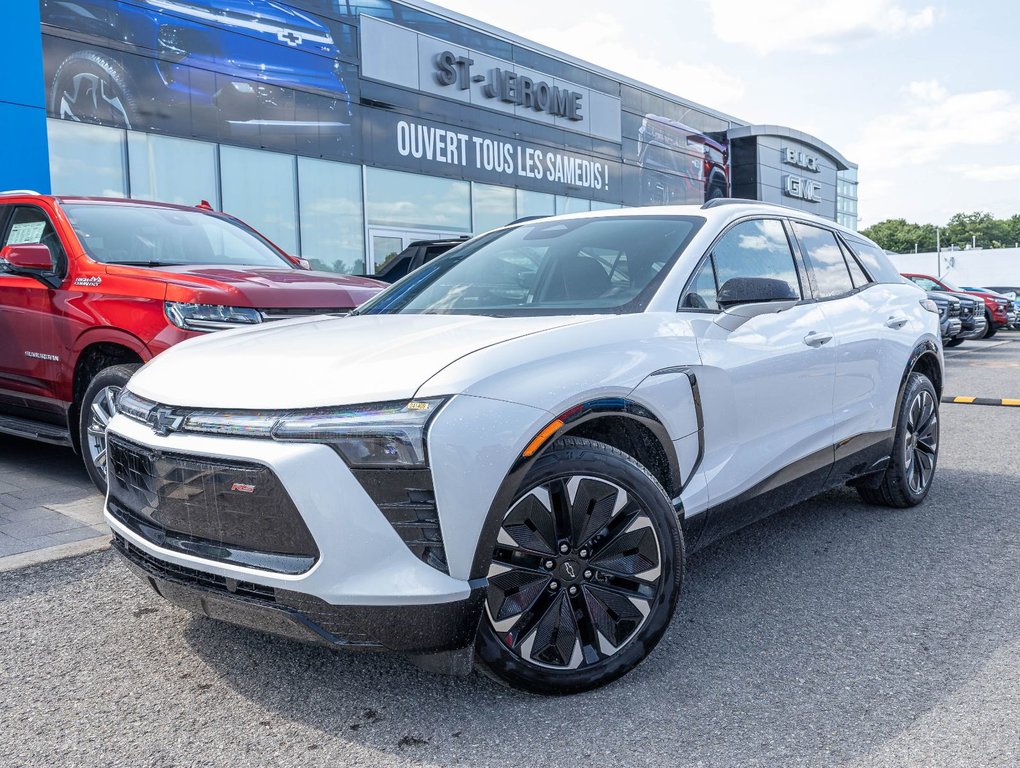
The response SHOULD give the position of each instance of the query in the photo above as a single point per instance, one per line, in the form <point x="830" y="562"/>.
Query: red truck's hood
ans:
<point x="260" y="287"/>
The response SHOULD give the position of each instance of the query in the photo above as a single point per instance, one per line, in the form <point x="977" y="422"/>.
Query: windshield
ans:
<point x="573" y="266"/>
<point x="950" y="286"/>
<point x="145" y="235"/>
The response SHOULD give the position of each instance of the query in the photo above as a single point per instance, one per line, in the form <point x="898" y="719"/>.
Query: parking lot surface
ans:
<point x="830" y="634"/>
<point x="48" y="505"/>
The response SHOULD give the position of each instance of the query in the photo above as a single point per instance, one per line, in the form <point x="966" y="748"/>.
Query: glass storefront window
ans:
<point x="260" y="189"/>
<point x="535" y="204"/>
<point x="86" y="159"/>
<point x="413" y="201"/>
<point x="600" y="206"/>
<point x="332" y="215"/>
<point x="172" y="170"/>
<point x="566" y="204"/>
<point x="492" y="207"/>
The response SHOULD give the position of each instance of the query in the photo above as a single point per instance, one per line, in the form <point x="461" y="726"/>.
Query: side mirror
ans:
<point x="27" y="259"/>
<point x="754" y="290"/>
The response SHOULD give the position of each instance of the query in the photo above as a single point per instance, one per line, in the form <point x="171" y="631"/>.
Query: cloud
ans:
<point x="935" y="124"/>
<point x="602" y="37"/>
<point x="988" y="172"/>
<point x="817" y="26"/>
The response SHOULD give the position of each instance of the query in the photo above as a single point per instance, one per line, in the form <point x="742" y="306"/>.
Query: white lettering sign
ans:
<point x="438" y="145"/>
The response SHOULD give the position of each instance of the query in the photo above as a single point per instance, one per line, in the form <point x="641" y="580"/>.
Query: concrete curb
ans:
<point x="59" y="552"/>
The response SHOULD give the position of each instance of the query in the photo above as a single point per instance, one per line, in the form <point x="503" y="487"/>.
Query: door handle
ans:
<point x="816" y="339"/>
<point x="896" y="322"/>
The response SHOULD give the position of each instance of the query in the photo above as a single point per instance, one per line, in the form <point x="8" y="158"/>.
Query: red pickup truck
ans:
<point x="90" y="289"/>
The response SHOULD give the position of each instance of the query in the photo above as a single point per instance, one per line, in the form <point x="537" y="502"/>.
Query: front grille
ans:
<point x="223" y="510"/>
<point x="269" y="315"/>
<point x="966" y="311"/>
<point x="954" y="310"/>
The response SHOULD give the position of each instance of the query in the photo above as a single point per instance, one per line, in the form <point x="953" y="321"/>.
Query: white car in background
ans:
<point x="506" y="457"/>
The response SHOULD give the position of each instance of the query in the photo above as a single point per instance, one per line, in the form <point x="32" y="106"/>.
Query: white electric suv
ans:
<point x="506" y="457"/>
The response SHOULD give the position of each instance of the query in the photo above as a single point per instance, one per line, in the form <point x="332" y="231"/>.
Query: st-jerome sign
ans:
<point x="509" y="87"/>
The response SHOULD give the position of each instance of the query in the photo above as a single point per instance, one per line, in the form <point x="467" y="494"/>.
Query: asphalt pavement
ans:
<point x="832" y="634"/>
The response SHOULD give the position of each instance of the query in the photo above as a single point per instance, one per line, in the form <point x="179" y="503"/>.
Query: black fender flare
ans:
<point x="561" y="425"/>
<point x="925" y="349"/>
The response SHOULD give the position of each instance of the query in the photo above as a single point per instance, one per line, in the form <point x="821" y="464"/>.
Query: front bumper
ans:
<point x="359" y="557"/>
<point x="978" y="328"/>
<point x="370" y="579"/>
<point x="412" y="629"/>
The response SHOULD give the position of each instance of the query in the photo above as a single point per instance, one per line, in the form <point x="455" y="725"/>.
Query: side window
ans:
<point x="856" y="270"/>
<point x="825" y="259"/>
<point x="757" y="248"/>
<point x="702" y="293"/>
<point x="29" y="226"/>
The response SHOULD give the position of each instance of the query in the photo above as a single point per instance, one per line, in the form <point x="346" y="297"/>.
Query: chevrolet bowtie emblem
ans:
<point x="163" y="421"/>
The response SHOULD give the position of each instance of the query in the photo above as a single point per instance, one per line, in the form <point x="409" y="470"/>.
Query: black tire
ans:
<point x="911" y="470"/>
<point x="954" y="342"/>
<point x="95" y="412"/>
<point x="609" y="597"/>
<point x="992" y="328"/>
<point x="89" y="87"/>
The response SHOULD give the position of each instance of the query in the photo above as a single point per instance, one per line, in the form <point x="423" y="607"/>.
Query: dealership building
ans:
<point x="344" y="129"/>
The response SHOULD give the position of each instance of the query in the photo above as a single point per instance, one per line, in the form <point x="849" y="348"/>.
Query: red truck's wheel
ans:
<point x="97" y="408"/>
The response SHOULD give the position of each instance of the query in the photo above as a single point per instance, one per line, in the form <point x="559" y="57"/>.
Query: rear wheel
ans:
<point x="585" y="575"/>
<point x="98" y="407"/>
<point x="911" y="469"/>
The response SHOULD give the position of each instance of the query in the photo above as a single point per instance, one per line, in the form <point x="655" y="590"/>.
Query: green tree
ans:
<point x="902" y="236"/>
<point x="979" y="228"/>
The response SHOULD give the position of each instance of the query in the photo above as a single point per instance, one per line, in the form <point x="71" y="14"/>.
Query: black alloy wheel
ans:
<point x="908" y="478"/>
<point x="920" y="448"/>
<point x="89" y="87"/>
<point x="585" y="574"/>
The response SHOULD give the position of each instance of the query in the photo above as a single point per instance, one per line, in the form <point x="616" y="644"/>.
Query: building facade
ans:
<point x="344" y="129"/>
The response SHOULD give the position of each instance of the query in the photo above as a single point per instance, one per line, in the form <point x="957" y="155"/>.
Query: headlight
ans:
<point x="930" y="305"/>
<point x="210" y="317"/>
<point x="388" y="434"/>
<point x="375" y="435"/>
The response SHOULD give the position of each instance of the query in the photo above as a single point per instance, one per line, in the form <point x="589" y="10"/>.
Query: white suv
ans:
<point x="507" y="456"/>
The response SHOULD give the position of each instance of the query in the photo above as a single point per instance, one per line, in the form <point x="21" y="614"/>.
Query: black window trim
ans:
<point x="809" y="267"/>
<point x="807" y="295"/>
<point x="7" y="218"/>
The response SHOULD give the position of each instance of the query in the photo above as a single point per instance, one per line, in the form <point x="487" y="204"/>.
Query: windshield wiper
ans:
<point x="150" y="263"/>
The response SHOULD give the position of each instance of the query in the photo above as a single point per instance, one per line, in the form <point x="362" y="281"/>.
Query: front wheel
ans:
<point x="954" y="342"/>
<point x="97" y="408"/>
<point x="911" y="469"/>
<point x="992" y="327"/>
<point x="585" y="575"/>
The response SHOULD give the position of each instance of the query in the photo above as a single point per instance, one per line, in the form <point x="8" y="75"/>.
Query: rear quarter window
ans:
<point x="877" y="264"/>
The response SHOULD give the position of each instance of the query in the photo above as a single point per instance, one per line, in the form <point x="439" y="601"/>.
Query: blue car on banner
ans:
<point x="243" y="67"/>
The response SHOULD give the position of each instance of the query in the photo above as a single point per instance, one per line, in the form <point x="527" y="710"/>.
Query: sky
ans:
<point x="923" y="96"/>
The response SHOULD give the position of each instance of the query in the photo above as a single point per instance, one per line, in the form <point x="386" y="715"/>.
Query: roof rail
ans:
<point x="715" y="202"/>
<point x="19" y="192"/>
